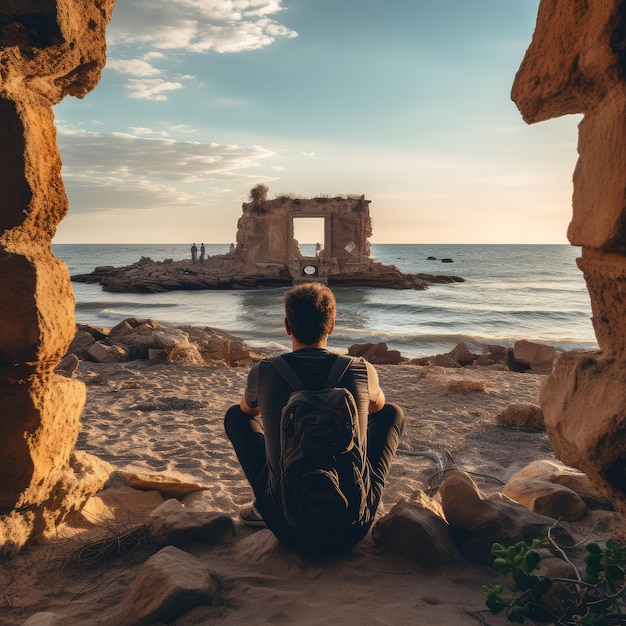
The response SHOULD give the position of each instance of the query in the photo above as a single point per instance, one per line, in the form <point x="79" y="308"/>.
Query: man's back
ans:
<point x="310" y="310"/>
<point x="270" y="392"/>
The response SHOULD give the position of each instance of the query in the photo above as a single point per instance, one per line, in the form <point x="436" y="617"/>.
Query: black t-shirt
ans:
<point x="267" y="390"/>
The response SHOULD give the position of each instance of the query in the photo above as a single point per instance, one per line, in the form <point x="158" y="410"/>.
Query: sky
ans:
<point x="404" y="101"/>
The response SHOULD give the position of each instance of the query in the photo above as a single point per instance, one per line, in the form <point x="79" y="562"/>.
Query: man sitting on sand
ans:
<point x="310" y="319"/>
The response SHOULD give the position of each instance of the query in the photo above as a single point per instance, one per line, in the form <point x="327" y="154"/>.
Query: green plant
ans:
<point x="594" y="599"/>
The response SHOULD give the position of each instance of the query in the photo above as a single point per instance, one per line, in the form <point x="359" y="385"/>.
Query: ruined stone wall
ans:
<point x="48" y="49"/>
<point x="576" y="63"/>
<point x="265" y="233"/>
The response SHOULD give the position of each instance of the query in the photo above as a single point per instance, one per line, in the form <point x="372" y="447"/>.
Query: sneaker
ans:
<point x="250" y="516"/>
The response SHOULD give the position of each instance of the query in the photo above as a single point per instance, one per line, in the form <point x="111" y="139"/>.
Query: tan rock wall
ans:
<point x="48" y="49"/>
<point x="576" y="63"/>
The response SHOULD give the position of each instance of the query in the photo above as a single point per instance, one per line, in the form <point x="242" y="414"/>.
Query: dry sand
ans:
<point x="168" y="418"/>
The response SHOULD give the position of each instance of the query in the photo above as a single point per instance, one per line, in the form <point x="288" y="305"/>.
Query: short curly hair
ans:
<point x="310" y="310"/>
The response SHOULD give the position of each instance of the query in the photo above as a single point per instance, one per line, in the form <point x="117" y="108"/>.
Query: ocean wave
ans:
<point x="451" y="306"/>
<point x="511" y="293"/>
<point x="454" y="338"/>
<point x="105" y="305"/>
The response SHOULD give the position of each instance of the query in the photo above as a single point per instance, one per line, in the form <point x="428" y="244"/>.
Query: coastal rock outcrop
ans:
<point x="575" y="64"/>
<point x="524" y="356"/>
<point x="267" y="255"/>
<point x="229" y="272"/>
<point x="144" y="339"/>
<point x="48" y="49"/>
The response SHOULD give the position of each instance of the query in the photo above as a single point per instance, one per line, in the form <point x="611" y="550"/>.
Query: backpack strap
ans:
<point x="287" y="372"/>
<point x="340" y="367"/>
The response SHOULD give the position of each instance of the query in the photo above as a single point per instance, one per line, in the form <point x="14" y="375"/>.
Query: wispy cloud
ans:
<point x="198" y="25"/>
<point x="150" y="88"/>
<point x="117" y="170"/>
<point x="133" y="67"/>
<point x="142" y="29"/>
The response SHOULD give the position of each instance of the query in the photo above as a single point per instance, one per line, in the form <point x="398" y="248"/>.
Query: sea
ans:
<point x="510" y="292"/>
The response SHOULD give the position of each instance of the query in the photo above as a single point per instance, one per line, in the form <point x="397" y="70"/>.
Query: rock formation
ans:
<point x="267" y="255"/>
<point x="136" y="338"/>
<point x="524" y="356"/>
<point x="48" y="49"/>
<point x="576" y="63"/>
<point x="158" y="529"/>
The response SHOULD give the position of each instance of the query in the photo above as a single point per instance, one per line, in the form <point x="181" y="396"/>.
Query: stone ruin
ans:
<point x="51" y="48"/>
<point x="576" y="63"/>
<point x="265" y="235"/>
<point x="48" y="49"/>
<point x="267" y="254"/>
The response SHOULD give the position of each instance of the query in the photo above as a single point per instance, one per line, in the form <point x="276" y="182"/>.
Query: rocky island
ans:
<point x="267" y="255"/>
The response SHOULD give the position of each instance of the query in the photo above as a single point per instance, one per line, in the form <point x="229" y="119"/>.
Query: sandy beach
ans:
<point x="168" y="419"/>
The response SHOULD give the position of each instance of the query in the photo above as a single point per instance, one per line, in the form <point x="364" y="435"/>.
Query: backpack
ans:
<point x="323" y="481"/>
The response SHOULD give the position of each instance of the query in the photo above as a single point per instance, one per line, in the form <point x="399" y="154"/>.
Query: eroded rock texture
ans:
<point x="576" y="63"/>
<point x="48" y="49"/>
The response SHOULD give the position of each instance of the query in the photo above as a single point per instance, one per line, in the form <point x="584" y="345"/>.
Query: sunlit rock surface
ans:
<point x="576" y="63"/>
<point x="48" y="49"/>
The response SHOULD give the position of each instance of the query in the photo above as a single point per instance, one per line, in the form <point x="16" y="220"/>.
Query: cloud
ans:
<point x="133" y="67"/>
<point x="139" y="75"/>
<point x="150" y="88"/>
<point x="142" y="130"/>
<point x="197" y="25"/>
<point x="122" y="170"/>
<point x="142" y="29"/>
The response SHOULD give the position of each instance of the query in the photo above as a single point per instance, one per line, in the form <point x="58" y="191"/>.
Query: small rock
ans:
<point x="538" y="356"/>
<point x="377" y="353"/>
<point x="139" y="340"/>
<point x="167" y="486"/>
<point x="119" y="505"/>
<point x="68" y="365"/>
<point x="522" y="415"/>
<point x="168" y="585"/>
<point x="461" y="354"/>
<point x="103" y="353"/>
<point x="172" y="524"/>
<point x="443" y="360"/>
<point x="478" y="522"/>
<point x="257" y="547"/>
<point x="81" y="343"/>
<point x="170" y="338"/>
<point x="546" y="498"/>
<point x="98" y="334"/>
<point x="417" y="532"/>
<point x="563" y="475"/>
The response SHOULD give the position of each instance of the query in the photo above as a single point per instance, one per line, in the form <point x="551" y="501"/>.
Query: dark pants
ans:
<point x="246" y="434"/>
